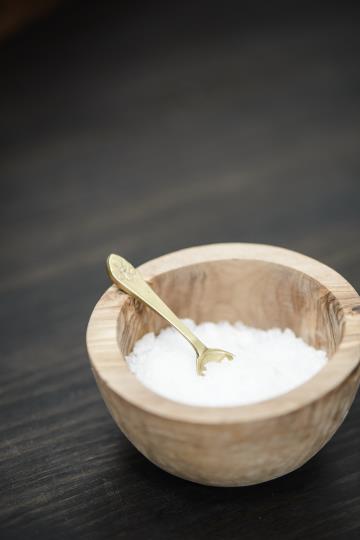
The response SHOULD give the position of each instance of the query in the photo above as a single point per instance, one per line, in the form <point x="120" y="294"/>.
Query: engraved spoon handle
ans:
<point x="129" y="280"/>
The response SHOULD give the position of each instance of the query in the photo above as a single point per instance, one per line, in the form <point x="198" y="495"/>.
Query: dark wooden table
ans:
<point x="142" y="130"/>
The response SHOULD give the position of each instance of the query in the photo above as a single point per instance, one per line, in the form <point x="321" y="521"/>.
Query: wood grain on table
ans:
<point x="141" y="130"/>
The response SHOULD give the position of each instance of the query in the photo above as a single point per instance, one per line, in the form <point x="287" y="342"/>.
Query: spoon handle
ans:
<point x="129" y="280"/>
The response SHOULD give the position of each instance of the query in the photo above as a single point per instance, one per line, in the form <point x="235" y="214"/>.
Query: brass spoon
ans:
<point x="129" y="280"/>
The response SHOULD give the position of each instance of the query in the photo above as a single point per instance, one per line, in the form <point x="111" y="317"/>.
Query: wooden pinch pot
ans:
<point x="262" y="286"/>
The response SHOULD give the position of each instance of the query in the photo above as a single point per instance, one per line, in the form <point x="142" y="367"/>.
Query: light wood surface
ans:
<point x="264" y="286"/>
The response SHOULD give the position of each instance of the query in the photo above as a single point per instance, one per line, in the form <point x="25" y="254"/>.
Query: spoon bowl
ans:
<point x="211" y="355"/>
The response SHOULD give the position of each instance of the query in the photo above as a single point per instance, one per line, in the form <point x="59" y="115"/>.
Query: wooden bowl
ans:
<point x="265" y="287"/>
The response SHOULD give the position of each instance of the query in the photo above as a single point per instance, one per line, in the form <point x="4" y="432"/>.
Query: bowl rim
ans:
<point x="109" y="365"/>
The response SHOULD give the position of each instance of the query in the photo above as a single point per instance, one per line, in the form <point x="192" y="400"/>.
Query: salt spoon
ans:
<point x="130" y="281"/>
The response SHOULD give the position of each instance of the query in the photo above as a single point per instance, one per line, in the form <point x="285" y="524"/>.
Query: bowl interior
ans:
<point x="258" y="293"/>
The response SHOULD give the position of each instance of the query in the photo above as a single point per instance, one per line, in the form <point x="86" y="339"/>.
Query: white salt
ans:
<point x="267" y="363"/>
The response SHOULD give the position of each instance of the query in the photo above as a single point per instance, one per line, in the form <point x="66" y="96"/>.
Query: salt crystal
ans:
<point x="267" y="363"/>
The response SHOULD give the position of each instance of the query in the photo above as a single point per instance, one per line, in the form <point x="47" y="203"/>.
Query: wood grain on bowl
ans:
<point x="263" y="286"/>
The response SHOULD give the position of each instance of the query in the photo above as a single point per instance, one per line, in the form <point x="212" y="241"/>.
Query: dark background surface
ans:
<point x="140" y="130"/>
